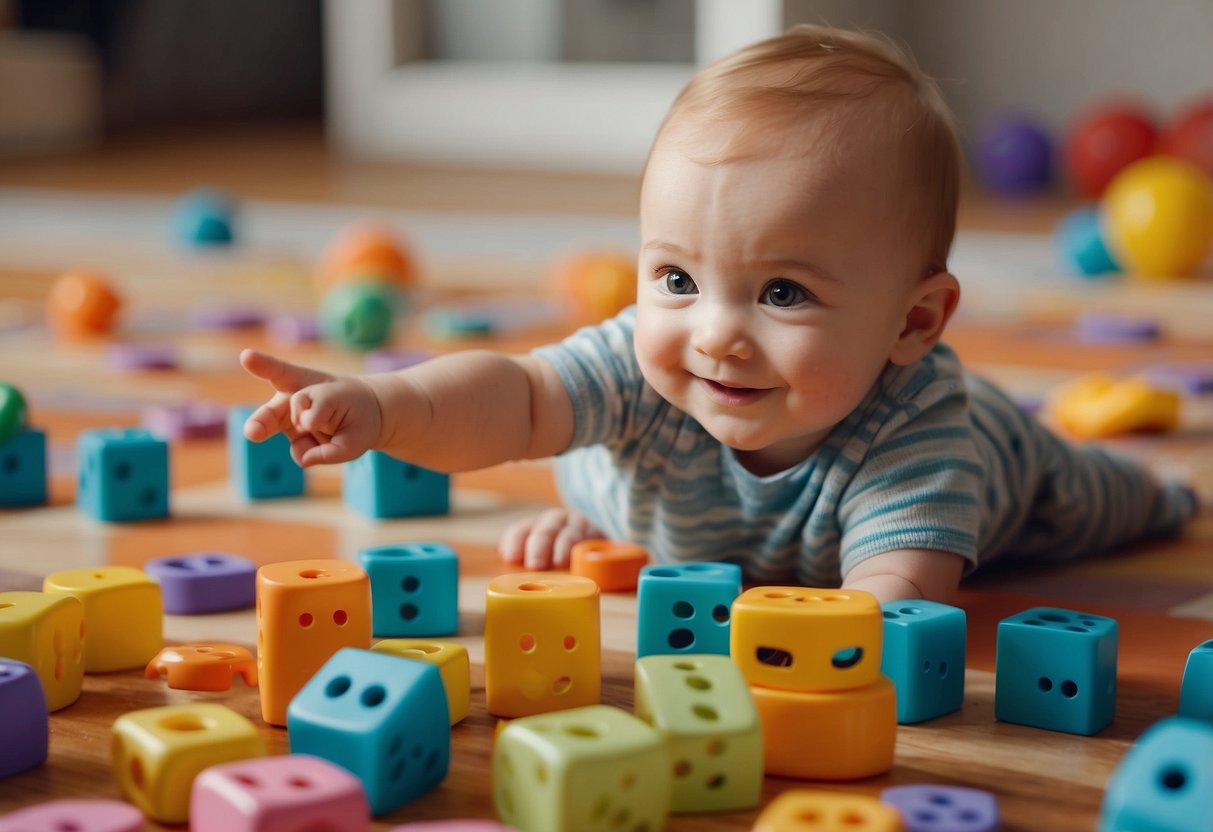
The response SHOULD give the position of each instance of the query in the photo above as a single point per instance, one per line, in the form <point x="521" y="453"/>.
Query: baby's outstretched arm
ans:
<point x="908" y="573"/>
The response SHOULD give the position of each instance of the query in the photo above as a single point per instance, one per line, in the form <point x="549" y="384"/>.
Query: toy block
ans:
<point x="805" y="810"/>
<point x="275" y="794"/>
<point x="23" y="469"/>
<point x="858" y="726"/>
<point x="47" y="633"/>
<point x="1196" y="693"/>
<point x="924" y="655"/>
<point x="804" y="639"/>
<point x="377" y="485"/>
<point x="1164" y="783"/>
<point x="208" y="665"/>
<point x="204" y="582"/>
<point x="592" y="769"/>
<point x="685" y="608"/>
<point x="25" y="729"/>
<point x="452" y="662"/>
<point x="123" y="614"/>
<point x="157" y="753"/>
<point x="613" y="565"/>
<point x="414" y="589"/>
<point x="186" y="420"/>
<point x="935" y="808"/>
<point x="13" y="411"/>
<point x="383" y="719"/>
<point x="1056" y="669"/>
<point x="701" y="707"/>
<point x="260" y="470"/>
<point x="123" y="475"/>
<point x="542" y="643"/>
<point x="307" y="610"/>
<point x="75" y="815"/>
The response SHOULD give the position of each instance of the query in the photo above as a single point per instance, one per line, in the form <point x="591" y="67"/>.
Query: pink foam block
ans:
<point x="77" y="815"/>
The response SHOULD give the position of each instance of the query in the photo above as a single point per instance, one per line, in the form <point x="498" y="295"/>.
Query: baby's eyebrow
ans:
<point x="792" y="265"/>
<point x="665" y="244"/>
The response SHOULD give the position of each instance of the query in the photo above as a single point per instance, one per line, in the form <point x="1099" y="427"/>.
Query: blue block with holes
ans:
<point x="1196" y="694"/>
<point x="123" y="474"/>
<point x="686" y="608"/>
<point x="260" y="470"/>
<point x="1056" y="669"/>
<point x="1164" y="783"/>
<point x="383" y="718"/>
<point x="414" y="589"/>
<point x="940" y="808"/>
<point x="924" y="656"/>
<point x="23" y="469"/>
<point x="377" y="485"/>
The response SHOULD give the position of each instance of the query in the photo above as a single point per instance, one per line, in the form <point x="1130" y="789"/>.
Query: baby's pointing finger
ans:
<point x="283" y="375"/>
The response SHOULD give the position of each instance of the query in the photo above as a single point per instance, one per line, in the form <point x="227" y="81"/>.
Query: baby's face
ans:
<point x="771" y="292"/>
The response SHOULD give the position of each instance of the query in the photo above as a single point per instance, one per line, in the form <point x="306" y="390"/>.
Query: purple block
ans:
<point x="226" y="317"/>
<point x="387" y="361"/>
<point x="139" y="356"/>
<point x="1194" y="378"/>
<point x="75" y="815"/>
<point x="192" y="420"/>
<point x="24" y="724"/>
<point x="932" y="808"/>
<point x="291" y="328"/>
<point x="1107" y="328"/>
<point x="204" y="582"/>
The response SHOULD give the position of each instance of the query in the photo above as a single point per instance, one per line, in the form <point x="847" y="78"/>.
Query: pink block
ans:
<point x="278" y="794"/>
<point x="77" y="815"/>
<point x="453" y="826"/>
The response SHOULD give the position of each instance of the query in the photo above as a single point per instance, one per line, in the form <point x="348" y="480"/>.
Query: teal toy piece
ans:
<point x="1056" y="669"/>
<point x="1196" y="695"/>
<point x="123" y="475"/>
<point x="358" y="314"/>
<point x="205" y="217"/>
<point x="414" y="589"/>
<point x="1165" y="781"/>
<point x="377" y="485"/>
<point x="924" y="656"/>
<point x="1080" y="240"/>
<point x="23" y="469"/>
<point x="12" y="411"/>
<point x="260" y="470"/>
<point x="686" y="608"/>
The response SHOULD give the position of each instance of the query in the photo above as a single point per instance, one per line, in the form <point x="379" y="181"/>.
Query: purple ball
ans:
<point x="1015" y="156"/>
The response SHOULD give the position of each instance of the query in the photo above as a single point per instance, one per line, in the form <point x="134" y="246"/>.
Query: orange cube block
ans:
<point x="613" y="565"/>
<point x="805" y="810"/>
<point x="307" y="610"/>
<point x="82" y="303"/>
<point x="368" y="252"/>
<point x="207" y="665"/>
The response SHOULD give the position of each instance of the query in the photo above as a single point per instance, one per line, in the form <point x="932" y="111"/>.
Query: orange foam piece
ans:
<point x="613" y="565"/>
<point x="1097" y="406"/>
<point x="367" y="252"/>
<point x="802" y="810"/>
<point x="81" y="303"/>
<point x="596" y="286"/>
<point x="205" y="665"/>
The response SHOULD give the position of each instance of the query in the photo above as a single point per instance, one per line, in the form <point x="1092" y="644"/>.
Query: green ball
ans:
<point x="12" y="411"/>
<point x="358" y="314"/>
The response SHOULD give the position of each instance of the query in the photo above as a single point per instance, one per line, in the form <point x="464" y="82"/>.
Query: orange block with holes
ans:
<point x="613" y="565"/>
<point x="542" y="643"/>
<point x="307" y="610"/>
<point x="800" y="638"/>
<point x="82" y="303"/>
<point x="206" y="665"/>
<point x="804" y="810"/>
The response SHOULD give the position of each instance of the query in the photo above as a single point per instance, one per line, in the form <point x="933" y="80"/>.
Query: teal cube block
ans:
<point x="414" y="589"/>
<point x="381" y="717"/>
<point x="1056" y="669"/>
<point x="1196" y="694"/>
<point x="1164" y="783"/>
<point x="123" y="475"/>
<point x="686" y="608"/>
<point x="260" y="470"/>
<point x="23" y="469"/>
<point x="378" y="486"/>
<point x="924" y="656"/>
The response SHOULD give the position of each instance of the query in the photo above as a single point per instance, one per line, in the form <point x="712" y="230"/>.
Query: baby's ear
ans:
<point x="931" y="304"/>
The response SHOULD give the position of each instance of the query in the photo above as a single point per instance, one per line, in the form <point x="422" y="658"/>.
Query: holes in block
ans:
<point x="720" y="614"/>
<point x="183" y="722"/>
<point x="1208" y="645"/>
<point x="578" y="730"/>
<point x="1073" y="629"/>
<point x="337" y="686"/>
<point x="706" y="712"/>
<point x="1087" y="622"/>
<point x="410" y="473"/>
<point x="1069" y="689"/>
<point x="940" y="799"/>
<point x="409" y="611"/>
<point x="773" y="657"/>
<point x="682" y="609"/>
<point x="534" y="586"/>
<point x="629" y="780"/>
<point x="136" y="769"/>
<point x="421" y="650"/>
<point x="699" y="683"/>
<point x="149" y="496"/>
<point x="562" y="685"/>
<point x="122" y="470"/>
<point x="397" y="771"/>
<point x="1045" y="684"/>
<point x="716" y="747"/>
<point x="431" y="760"/>
<point x="890" y="615"/>
<point x="526" y="643"/>
<point x="776" y="595"/>
<point x="847" y="658"/>
<point x="808" y="816"/>
<point x="297" y="782"/>
<point x="541" y="773"/>
<point x="1055" y="618"/>
<point x="681" y="638"/>
<point x="395" y="746"/>
<point x="682" y="768"/>
<point x="340" y="617"/>
<point x="313" y="574"/>
<point x="853" y="818"/>
<point x="601" y="807"/>
<point x="411" y="584"/>
<point x="621" y="817"/>
<point x="686" y="665"/>
<point x="716" y="781"/>
<point x="570" y="643"/>
<point x="1032" y="622"/>
<point x="910" y="610"/>
<point x="11" y="464"/>
<point x="247" y="780"/>
<point x="1173" y="778"/>
<point x="271" y="473"/>
<point x="943" y="670"/>
<point x="662" y="573"/>
<point x="306" y="620"/>
<point x="968" y="815"/>
<point x="374" y="696"/>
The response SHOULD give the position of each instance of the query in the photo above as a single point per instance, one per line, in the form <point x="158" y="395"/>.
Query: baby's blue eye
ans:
<point x="680" y="283"/>
<point x="784" y="293"/>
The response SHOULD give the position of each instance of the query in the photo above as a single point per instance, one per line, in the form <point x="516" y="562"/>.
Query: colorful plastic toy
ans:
<point x="1081" y="245"/>
<point x="414" y="589"/>
<point x="47" y="633"/>
<point x="135" y="356"/>
<point x="260" y="470"/>
<point x="359" y="315"/>
<point x="190" y="420"/>
<point x="594" y="286"/>
<point x="25" y="729"/>
<point x="368" y="251"/>
<point x="1092" y="326"/>
<point x="207" y="665"/>
<point x="452" y="662"/>
<point x="12" y="412"/>
<point x="1104" y="141"/>
<point x="123" y="475"/>
<point x="23" y="469"/>
<point x="204" y="217"/>
<point x="1158" y="215"/>
<point x="686" y="608"/>
<point x="1015" y="156"/>
<point x="378" y="486"/>
<point x="1097" y="406"/>
<point x="205" y="582"/>
<point x="1190" y="135"/>
<point x="1196" y="693"/>
<point x="123" y="614"/>
<point x="613" y="565"/>
<point x="76" y="815"/>
<point x="1164" y="783"/>
<point x="935" y="808"/>
<point x="795" y="809"/>
<point x="81" y="303"/>
<point x="924" y="656"/>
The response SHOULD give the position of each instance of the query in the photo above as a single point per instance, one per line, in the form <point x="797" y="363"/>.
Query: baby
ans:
<point x="779" y="396"/>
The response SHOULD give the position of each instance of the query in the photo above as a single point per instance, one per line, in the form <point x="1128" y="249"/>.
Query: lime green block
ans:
<point x="702" y="706"/>
<point x="592" y="769"/>
<point x="12" y="411"/>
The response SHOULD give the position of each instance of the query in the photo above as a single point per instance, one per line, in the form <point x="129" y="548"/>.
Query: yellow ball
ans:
<point x="1158" y="213"/>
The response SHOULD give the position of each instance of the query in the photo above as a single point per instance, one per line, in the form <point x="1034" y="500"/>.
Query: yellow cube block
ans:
<point x="805" y="810"/>
<point x="542" y="643"/>
<point x="157" y="753"/>
<point x="123" y="614"/>
<point x="799" y="638"/>
<point x="453" y="665"/>
<point x="1097" y="406"/>
<point x="47" y="633"/>
<point x="834" y="735"/>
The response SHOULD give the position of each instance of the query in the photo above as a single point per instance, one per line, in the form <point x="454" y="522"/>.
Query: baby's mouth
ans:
<point x="732" y="395"/>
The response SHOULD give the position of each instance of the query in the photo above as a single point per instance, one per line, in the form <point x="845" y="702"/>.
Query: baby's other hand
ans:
<point x="546" y="541"/>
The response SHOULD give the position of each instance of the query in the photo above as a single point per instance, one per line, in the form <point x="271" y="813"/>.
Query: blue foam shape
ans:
<point x="924" y="656"/>
<point x="123" y="474"/>
<point x="204" y="218"/>
<point x="1196" y="693"/>
<point x="1164" y="783"/>
<point x="414" y="589"/>
<point x="23" y="469"/>
<point x="260" y="470"/>
<point x="686" y="608"/>
<point x="378" y="486"/>
<point x="25" y="728"/>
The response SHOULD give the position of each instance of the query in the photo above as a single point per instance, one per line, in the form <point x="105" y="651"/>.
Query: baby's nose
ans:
<point x="721" y="332"/>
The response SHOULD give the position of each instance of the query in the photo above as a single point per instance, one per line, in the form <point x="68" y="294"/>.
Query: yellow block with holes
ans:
<point x="453" y="665"/>
<point x="800" y="638"/>
<point x="805" y="810"/>
<point x="157" y="753"/>
<point x="47" y="633"/>
<point x="542" y="643"/>
<point x="1097" y="406"/>
<point x="123" y="614"/>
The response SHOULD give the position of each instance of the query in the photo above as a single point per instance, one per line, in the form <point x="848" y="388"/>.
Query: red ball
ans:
<point x="1103" y="142"/>
<point x="1190" y="136"/>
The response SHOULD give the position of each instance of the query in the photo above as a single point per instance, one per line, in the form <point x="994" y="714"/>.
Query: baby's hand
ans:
<point x="327" y="418"/>
<point x="546" y="541"/>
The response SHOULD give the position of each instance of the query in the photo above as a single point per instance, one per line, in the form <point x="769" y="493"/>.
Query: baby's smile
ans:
<point x="731" y="395"/>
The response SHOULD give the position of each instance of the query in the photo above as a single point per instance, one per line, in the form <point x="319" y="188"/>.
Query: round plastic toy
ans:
<point x="81" y="303"/>
<point x="204" y="217"/>
<point x="1080" y="242"/>
<point x="1190" y="136"/>
<point x="12" y="411"/>
<point x="1015" y="156"/>
<point x="595" y="286"/>
<point x="1103" y="142"/>
<point x="1158" y="216"/>
<point x="358" y="314"/>
<point x="368" y="252"/>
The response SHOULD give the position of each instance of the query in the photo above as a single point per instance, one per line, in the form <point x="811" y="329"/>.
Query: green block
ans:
<point x="12" y="411"/>
<point x="358" y="314"/>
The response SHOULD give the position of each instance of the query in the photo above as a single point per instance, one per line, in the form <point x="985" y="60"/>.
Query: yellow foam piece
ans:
<point x="1098" y="406"/>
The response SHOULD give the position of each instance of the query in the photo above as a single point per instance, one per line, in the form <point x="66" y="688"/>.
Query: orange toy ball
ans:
<point x="596" y="286"/>
<point x="1190" y="136"/>
<point x="368" y="252"/>
<point x="82" y="303"/>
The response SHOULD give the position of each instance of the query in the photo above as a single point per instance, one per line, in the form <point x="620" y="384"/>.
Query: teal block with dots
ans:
<point x="381" y="717"/>
<point x="414" y="589"/>
<point x="377" y="485"/>
<point x="123" y="474"/>
<point x="924" y="656"/>
<point x="1196" y="693"/>
<point x="23" y="469"/>
<point x="1056" y="669"/>
<point x="685" y="608"/>
<point x="260" y="470"/>
<point x="1164" y="783"/>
